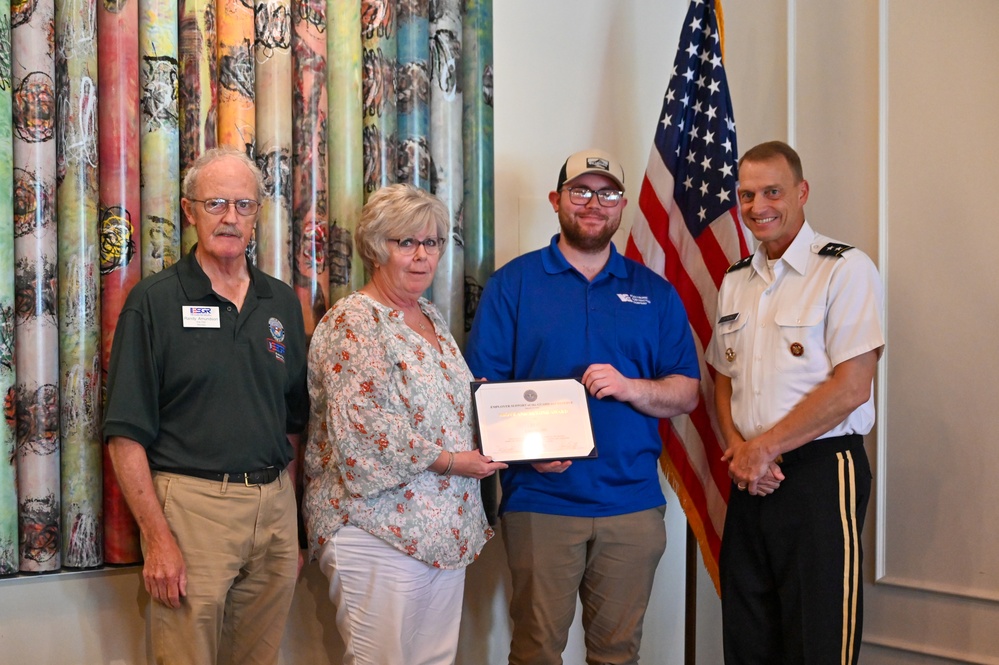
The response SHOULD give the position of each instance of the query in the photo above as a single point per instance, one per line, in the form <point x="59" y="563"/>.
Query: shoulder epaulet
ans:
<point x="739" y="265"/>
<point x="834" y="249"/>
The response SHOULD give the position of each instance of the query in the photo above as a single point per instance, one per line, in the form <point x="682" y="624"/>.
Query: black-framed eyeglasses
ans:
<point x="408" y="246"/>
<point x="581" y="196"/>
<point x="244" y="207"/>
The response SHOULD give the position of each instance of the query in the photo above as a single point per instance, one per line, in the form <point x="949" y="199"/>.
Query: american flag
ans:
<point x="688" y="230"/>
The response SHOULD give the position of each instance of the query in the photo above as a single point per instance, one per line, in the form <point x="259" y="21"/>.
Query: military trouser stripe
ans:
<point x="851" y="551"/>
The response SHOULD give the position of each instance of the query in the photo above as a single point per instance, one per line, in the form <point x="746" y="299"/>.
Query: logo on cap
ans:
<point x="597" y="163"/>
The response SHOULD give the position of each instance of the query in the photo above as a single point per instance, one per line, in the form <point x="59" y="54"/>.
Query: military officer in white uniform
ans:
<point x="795" y="347"/>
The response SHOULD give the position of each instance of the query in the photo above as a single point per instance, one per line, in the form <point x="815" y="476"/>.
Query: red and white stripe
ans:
<point x="692" y="444"/>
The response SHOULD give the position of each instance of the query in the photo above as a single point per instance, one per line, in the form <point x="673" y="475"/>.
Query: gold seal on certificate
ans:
<point x="532" y="421"/>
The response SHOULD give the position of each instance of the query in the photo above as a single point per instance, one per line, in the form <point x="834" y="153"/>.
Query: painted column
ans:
<point x="198" y="41"/>
<point x="8" y="375"/>
<point x="160" y="135"/>
<point x="36" y="282"/>
<point x="120" y="227"/>
<point x="477" y="79"/>
<point x="237" y="115"/>
<point x="378" y="39"/>
<point x="446" y="158"/>
<point x="477" y="68"/>
<point x="346" y="148"/>
<point x="310" y="222"/>
<point x="273" y="98"/>
<point x="413" y="164"/>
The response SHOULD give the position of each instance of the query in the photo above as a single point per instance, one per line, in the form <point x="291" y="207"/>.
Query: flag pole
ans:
<point x="688" y="229"/>
<point x="690" y="601"/>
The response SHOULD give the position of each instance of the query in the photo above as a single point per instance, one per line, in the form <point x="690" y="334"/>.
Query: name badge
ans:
<point x="199" y="316"/>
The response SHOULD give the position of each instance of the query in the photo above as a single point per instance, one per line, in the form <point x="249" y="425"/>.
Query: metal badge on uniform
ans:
<point x="797" y="349"/>
<point x="201" y="316"/>
<point x="730" y="354"/>
<point x="728" y="318"/>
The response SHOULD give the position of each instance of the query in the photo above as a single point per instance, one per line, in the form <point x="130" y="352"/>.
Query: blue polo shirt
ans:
<point x="539" y="318"/>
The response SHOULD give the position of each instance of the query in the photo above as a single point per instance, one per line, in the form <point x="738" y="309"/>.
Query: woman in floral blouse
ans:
<point x="392" y="500"/>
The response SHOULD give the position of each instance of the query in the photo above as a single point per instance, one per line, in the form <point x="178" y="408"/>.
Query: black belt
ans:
<point x="259" y="477"/>
<point x="820" y="447"/>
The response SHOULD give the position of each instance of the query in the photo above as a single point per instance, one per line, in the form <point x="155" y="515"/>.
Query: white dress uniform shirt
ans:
<point x="783" y="325"/>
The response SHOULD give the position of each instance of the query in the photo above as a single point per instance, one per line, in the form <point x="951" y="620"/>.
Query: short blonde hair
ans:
<point x="396" y="211"/>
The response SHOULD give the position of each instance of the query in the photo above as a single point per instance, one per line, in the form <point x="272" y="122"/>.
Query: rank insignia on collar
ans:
<point x="739" y="265"/>
<point x="730" y="354"/>
<point x="834" y="249"/>
<point x="797" y="349"/>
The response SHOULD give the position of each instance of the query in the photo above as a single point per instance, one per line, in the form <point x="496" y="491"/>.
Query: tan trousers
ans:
<point x="240" y="547"/>
<point x="610" y="562"/>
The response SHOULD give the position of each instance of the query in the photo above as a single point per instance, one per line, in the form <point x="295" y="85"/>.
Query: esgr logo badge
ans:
<point x="277" y="329"/>
<point x="530" y="395"/>
<point x="275" y="342"/>
<point x="200" y="316"/>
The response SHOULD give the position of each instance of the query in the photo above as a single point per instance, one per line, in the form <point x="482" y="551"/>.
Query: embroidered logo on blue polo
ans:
<point x="274" y="343"/>
<point x="633" y="299"/>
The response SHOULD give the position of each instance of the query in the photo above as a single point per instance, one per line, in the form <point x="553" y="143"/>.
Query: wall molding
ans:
<point x="792" y="71"/>
<point x="881" y="575"/>
<point x="944" y="655"/>
<point x="954" y="591"/>
<point x="881" y="496"/>
<point x="66" y="574"/>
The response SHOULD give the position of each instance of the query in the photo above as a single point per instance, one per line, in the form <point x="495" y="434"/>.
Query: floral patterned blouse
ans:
<point x="385" y="403"/>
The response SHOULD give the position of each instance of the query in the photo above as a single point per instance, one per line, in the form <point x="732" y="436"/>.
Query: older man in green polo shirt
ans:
<point x="206" y="398"/>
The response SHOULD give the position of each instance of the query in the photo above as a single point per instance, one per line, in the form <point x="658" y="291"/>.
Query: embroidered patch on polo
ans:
<point x="633" y="299"/>
<point x="274" y="343"/>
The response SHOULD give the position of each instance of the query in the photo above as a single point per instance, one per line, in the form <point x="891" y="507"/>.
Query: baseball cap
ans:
<point x="591" y="161"/>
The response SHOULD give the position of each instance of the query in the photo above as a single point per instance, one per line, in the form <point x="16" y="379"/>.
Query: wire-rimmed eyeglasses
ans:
<point x="244" y="207"/>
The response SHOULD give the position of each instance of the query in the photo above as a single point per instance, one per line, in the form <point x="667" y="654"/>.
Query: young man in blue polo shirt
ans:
<point x="592" y="527"/>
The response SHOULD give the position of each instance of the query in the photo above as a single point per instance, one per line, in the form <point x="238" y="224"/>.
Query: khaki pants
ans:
<point x="240" y="547"/>
<point x="610" y="562"/>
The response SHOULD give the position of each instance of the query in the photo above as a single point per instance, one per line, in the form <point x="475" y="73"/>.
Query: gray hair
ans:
<point x="396" y="211"/>
<point x="210" y="156"/>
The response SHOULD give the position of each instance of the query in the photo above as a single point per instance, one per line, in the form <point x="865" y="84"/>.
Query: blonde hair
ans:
<point x="396" y="211"/>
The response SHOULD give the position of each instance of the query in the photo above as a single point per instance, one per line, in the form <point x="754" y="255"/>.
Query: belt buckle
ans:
<point x="246" y="480"/>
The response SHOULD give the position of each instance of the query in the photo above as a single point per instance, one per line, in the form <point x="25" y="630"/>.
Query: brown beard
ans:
<point x="586" y="243"/>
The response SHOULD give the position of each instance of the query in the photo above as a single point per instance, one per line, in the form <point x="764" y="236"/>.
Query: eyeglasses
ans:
<point x="408" y="246"/>
<point x="244" y="207"/>
<point x="581" y="196"/>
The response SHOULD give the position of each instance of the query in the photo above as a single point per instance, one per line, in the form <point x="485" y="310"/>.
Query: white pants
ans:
<point x="391" y="609"/>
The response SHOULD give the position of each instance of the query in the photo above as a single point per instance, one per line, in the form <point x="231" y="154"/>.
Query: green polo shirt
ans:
<point x="201" y="385"/>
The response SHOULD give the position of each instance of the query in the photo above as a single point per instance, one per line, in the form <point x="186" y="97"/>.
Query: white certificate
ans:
<point x="532" y="421"/>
